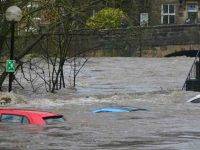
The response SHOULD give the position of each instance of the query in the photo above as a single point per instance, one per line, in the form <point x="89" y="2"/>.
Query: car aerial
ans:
<point x="25" y="116"/>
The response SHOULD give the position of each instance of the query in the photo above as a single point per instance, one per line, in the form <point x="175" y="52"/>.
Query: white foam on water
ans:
<point x="46" y="103"/>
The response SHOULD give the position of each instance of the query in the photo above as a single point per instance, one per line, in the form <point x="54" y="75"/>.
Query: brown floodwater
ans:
<point x="169" y="123"/>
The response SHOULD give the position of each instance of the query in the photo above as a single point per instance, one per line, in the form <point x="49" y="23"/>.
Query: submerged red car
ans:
<point x="25" y="116"/>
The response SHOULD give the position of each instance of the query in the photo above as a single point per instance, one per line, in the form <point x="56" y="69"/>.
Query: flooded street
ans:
<point x="169" y="123"/>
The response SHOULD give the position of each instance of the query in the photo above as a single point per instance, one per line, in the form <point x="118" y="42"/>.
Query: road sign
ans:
<point x="10" y="66"/>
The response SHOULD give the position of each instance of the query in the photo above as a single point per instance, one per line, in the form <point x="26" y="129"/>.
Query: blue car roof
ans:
<point x="117" y="109"/>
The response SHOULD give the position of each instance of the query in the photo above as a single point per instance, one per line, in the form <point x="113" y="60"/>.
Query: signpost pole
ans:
<point x="11" y="74"/>
<point x="13" y="15"/>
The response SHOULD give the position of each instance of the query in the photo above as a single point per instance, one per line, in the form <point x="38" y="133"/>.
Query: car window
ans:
<point x="25" y="120"/>
<point x="54" y="119"/>
<point x="14" y="118"/>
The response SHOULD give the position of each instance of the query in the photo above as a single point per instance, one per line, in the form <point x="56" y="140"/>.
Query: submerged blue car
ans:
<point x="117" y="109"/>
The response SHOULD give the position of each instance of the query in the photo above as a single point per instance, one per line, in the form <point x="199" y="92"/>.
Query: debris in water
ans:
<point x="5" y="100"/>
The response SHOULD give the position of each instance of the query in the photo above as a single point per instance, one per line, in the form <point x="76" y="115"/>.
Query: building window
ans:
<point x="93" y="12"/>
<point x="168" y="14"/>
<point x="144" y="19"/>
<point x="192" y="9"/>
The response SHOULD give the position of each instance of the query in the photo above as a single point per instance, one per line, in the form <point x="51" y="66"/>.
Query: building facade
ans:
<point x="166" y="12"/>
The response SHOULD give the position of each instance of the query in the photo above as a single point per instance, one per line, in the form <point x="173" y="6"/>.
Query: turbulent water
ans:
<point x="154" y="84"/>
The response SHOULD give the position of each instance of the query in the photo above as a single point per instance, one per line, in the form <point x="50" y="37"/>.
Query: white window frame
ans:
<point x="168" y="13"/>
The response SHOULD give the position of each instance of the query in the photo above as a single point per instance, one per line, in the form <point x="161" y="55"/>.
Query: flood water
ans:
<point x="170" y="123"/>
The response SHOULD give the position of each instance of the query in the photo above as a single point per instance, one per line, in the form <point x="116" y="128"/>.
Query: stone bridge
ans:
<point x="173" y="41"/>
<point x="159" y="41"/>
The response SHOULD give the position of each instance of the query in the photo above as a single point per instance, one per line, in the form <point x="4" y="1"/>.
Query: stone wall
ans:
<point x="164" y="40"/>
<point x="157" y="41"/>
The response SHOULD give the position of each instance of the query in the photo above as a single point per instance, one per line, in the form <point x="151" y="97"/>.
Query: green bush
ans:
<point x="107" y="18"/>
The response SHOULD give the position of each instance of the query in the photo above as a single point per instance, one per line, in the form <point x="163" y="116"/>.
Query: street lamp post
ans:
<point x="13" y="15"/>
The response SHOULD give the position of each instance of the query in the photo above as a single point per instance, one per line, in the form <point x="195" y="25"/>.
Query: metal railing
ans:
<point x="192" y="72"/>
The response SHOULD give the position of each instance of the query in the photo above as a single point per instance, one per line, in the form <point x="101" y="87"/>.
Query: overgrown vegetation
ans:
<point x="50" y="39"/>
<point x="108" y="18"/>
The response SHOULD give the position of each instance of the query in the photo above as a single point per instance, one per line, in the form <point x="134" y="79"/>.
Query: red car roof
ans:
<point x="34" y="116"/>
<point x="27" y="112"/>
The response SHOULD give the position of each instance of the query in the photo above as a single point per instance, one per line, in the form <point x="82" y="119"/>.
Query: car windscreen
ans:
<point x="14" y="118"/>
<point x="54" y="119"/>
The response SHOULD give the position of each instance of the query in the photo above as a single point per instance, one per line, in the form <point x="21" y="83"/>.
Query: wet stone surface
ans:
<point x="171" y="123"/>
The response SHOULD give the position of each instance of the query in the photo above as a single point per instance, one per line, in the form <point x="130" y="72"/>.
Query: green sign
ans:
<point x="10" y="66"/>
